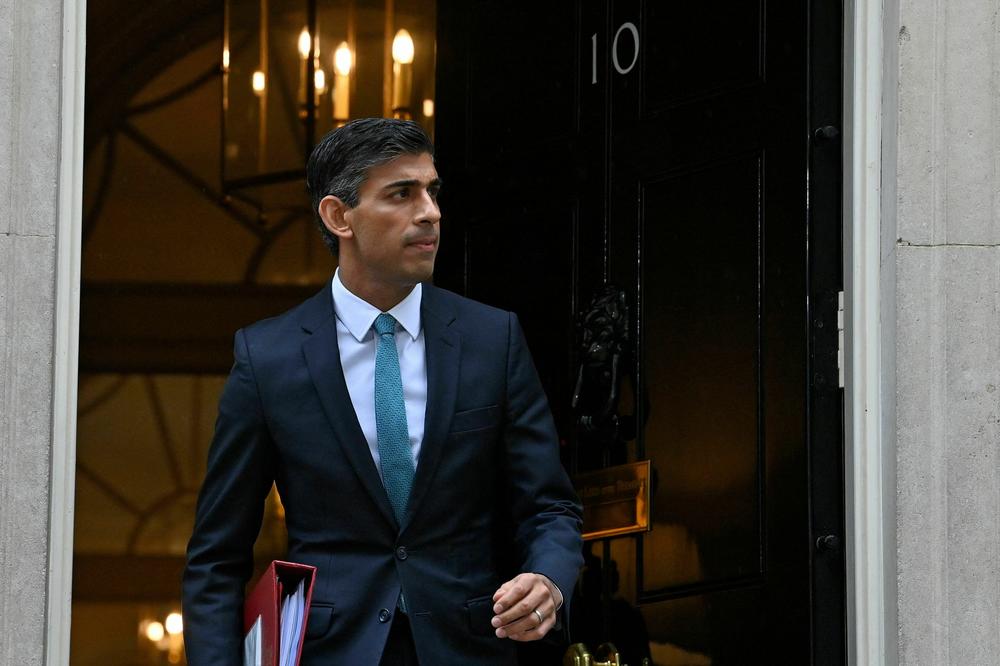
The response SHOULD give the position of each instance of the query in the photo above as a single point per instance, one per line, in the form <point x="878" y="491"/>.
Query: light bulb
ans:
<point x="402" y="48"/>
<point x="259" y="82"/>
<point x="174" y="624"/>
<point x="342" y="59"/>
<point x="304" y="43"/>
<point x="225" y="58"/>
<point x="319" y="80"/>
<point x="154" y="631"/>
<point x="428" y="108"/>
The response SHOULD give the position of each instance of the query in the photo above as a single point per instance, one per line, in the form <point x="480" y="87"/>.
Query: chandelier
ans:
<point x="292" y="70"/>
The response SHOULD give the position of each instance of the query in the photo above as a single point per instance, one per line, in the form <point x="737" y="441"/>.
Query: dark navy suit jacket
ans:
<point x="490" y="498"/>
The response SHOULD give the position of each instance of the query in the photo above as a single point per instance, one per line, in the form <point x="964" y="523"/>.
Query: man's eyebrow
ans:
<point x="410" y="182"/>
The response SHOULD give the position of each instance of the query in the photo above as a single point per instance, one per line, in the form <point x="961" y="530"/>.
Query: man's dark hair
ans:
<point x="340" y="162"/>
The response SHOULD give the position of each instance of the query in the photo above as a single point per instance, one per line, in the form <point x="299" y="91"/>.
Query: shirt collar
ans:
<point x="359" y="315"/>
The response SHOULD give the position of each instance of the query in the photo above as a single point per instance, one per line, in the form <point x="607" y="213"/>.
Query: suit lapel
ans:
<point x="322" y="356"/>
<point x="443" y="351"/>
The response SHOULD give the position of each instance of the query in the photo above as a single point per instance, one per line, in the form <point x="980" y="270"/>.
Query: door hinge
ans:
<point x="840" y="339"/>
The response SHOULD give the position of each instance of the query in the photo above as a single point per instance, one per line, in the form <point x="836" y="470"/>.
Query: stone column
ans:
<point x="947" y="358"/>
<point x="31" y="79"/>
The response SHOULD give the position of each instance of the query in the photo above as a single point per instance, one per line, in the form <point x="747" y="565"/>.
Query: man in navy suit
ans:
<point x="409" y="438"/>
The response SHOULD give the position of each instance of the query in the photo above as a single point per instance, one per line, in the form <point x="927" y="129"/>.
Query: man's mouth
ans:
<point x="424" y="243"/>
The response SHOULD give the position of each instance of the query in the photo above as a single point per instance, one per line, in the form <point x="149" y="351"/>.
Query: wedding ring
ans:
<point x="539" y="616"/>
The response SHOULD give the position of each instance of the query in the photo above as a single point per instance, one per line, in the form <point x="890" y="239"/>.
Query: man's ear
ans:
<point x="334" y="212"/>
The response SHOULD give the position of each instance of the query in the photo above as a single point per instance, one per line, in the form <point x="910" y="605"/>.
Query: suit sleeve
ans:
<point x="546" y="512"/>
<point x="228" y="518"/>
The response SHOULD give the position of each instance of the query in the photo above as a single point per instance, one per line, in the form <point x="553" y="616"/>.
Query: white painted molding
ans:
<point x="67" y="334"/>
<point x="867" y="452"/>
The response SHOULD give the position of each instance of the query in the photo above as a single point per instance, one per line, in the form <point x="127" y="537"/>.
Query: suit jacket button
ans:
<point x="401" y="553"/>
<point x="384" y="615"/>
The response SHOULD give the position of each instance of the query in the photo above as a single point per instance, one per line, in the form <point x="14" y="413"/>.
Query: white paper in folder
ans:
<point x="292" y="619"/>
<point x="252" y="645"/>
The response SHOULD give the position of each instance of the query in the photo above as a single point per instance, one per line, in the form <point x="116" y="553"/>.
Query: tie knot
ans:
<point x="385" y="323"/>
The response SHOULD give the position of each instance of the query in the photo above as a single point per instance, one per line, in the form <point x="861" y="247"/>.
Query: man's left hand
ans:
<point x="525" y="607"/>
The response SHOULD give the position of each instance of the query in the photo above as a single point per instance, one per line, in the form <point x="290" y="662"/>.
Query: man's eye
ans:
<point x="401" y="194"/>
<point x="433" y="192"/>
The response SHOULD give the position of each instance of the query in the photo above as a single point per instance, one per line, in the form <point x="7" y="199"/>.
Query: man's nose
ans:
<point x="429" y="212"/>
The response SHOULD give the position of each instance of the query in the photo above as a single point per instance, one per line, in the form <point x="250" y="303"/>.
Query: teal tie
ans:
<point x="390" y="419"/>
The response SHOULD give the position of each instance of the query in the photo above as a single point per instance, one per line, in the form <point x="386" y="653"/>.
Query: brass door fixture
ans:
<point x="606" y="654"/>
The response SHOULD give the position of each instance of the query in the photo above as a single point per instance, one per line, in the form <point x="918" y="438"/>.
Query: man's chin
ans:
<point x="425" y="272"/>
<point x="420" y="274"/>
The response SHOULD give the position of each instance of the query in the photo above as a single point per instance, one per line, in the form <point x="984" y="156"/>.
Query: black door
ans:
<point x="689" y="154"/>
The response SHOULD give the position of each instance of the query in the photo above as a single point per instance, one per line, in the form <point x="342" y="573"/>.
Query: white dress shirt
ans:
<point x="356" y="339"/>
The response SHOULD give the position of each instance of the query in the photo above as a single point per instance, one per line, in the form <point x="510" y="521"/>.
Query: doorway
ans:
<point x="195" y="224"/>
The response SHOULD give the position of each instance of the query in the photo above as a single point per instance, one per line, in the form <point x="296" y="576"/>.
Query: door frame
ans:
<point x="869" y="330"/>
<point x="870" y="74"/>
<point x="66" y="329"/>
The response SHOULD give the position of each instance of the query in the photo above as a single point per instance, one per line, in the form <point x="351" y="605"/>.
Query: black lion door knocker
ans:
<point x="604" y="355"/>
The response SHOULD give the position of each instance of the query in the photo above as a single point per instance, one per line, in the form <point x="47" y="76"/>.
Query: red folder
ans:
<point x="264" y="602"/>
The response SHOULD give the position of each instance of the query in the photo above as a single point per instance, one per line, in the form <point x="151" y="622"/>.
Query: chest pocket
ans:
<point x="479" y="418"/>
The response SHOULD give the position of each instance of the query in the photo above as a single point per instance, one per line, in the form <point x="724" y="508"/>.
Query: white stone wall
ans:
<point x="30" y="42"/>
<point x="947" y="355"/>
